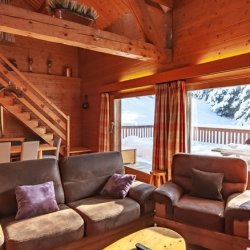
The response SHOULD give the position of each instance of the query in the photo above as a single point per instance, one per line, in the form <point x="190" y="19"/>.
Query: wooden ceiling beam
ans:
<point x="30" y="24"/>
<point x="145" y="22"/>
<point x="225" y="65"/>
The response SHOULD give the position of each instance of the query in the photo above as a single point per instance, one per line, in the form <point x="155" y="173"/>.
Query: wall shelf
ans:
<point x="31" y="75"/>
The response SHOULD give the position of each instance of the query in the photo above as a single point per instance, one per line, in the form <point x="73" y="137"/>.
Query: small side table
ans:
<point x="158" y="177"/>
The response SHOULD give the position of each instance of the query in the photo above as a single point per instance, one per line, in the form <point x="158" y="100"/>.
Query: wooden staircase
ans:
<point x="24" y="101"/>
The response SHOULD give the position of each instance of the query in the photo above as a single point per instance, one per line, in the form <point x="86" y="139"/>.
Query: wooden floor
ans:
<point x="193" y="247"/>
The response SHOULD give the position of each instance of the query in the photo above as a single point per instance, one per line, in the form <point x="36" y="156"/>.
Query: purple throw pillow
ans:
<point x="118" y="185"/>
<point x="35" y="200"/>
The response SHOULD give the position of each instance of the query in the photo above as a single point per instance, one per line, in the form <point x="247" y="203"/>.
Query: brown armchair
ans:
<point x="210" y="223"/>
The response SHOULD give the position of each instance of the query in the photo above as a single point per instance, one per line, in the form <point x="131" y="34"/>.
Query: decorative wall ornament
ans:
<point x="6" y="37"/>
<point x="30" y="63"/>
<point x="73" y="11"/>
<point x="67" y="71"/>
<point x="49" y="66"/>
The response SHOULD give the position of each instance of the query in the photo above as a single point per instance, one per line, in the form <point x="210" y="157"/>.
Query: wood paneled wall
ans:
<point x="202" y="31"/>
<point x="40" y="51"/>
<point x="65" y="94"/>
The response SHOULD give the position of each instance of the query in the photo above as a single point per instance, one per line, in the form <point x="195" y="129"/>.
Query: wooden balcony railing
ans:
<point x="220" y="135"/>
<point x="142" y="131"/>
<point x="200" y="134"/>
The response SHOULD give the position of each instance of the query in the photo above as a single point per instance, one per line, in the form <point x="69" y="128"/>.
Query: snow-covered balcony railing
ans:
<point x="142" y="131"/>
<point x="220" y="135"/>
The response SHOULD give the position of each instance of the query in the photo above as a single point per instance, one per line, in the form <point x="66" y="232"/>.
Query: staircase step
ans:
<point x="6" y="100"/>
<point x="25" y="115"/>
<point x="48" y="137"/>
<point x="34" y="123"/>
<point x="40" y="129"/>
<point x="16" y="109"/>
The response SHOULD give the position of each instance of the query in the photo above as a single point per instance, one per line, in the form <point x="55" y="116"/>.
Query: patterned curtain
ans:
<point x="6" y="37"/>
<point x="1" y="122"/>
<point x="169" y="125"/>
<point x="104" y="142"/>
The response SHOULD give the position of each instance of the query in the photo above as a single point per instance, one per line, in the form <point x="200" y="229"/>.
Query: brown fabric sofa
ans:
<point x="85" y="218"/>
<point x="206" y="222"/>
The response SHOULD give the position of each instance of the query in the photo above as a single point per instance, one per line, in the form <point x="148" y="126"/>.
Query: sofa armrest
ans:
<point x="237" y="208"/>
<point x="143" y="194"/>
<point x="168" y="194"/>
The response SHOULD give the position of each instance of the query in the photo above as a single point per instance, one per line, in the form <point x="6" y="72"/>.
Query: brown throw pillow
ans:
<point x="206" y="184"/>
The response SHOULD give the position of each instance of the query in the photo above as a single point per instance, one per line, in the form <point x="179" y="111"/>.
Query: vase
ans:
<point x="73" y="17"/>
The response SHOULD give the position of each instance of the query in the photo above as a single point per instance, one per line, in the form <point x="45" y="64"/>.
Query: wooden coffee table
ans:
<point x="155" y="238"/>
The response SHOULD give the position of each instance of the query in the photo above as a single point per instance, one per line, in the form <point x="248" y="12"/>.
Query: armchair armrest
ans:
<point x="143" y="194"/>
<point x="237" y="208"/>
<point x="168" y="194"/>
<point x="1" y="238"/>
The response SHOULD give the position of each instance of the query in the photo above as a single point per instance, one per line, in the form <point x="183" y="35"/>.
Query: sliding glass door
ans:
<point x="133" y="130"/>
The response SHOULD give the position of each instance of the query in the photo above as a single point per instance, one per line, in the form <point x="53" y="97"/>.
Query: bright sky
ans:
<point x="138" y="110"/>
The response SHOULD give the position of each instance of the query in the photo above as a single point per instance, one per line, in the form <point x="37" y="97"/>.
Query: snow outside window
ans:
<point x="220" y="118"/>
<point x="137" y="120"/>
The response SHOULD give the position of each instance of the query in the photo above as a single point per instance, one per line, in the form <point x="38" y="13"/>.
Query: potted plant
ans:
<point x="72" y="11"/>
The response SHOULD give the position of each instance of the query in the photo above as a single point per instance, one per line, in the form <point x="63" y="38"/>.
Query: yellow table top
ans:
<point x="155" y="238"/>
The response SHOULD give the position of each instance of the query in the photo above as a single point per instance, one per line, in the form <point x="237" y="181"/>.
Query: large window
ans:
<point x="136" y="131"/>
<point x="220" y="121"/>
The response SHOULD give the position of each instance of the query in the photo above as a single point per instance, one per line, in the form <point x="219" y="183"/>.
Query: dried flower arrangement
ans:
<point x="72" y="6"/>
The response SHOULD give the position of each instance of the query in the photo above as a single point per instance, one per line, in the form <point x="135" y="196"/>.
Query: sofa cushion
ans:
<point x="85" y="175"/>
<point x="199" y="212"/>
<point x="118" y="185"/>
<point x="206" y="185"/>
<point x="34" y="200"/>
<point x="104" y="213"/>
<point x="1" y="239"/>
<point x="43" y="232"/>
<point x="26" y="173"/>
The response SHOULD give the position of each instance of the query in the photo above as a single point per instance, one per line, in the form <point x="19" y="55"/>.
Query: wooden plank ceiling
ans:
<point x="43" y="27"/>
<point x="109" y="12"/>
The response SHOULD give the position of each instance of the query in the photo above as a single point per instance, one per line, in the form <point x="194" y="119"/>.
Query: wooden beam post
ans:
<point x="167" y="3"/>
<point x="144" y="20"/>
<point x="146" y="24"/>
<point x="27" y="23"/>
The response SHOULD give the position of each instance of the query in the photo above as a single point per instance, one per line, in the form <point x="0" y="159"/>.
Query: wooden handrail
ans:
<point x="30" y="85"/>
<point x="31" y="97"/>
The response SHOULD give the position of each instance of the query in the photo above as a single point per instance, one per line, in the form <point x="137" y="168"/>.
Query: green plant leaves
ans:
<point x="79" y="8"/>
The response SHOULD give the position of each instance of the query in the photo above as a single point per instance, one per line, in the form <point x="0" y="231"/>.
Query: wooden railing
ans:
<point x="36" y="101"/>
<point x="142" y="131"/>
<point x="220" y="135"/>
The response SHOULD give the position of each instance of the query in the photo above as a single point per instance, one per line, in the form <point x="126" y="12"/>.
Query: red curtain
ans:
<point x="104" y="141"/>
<point x="169" y="125"/>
